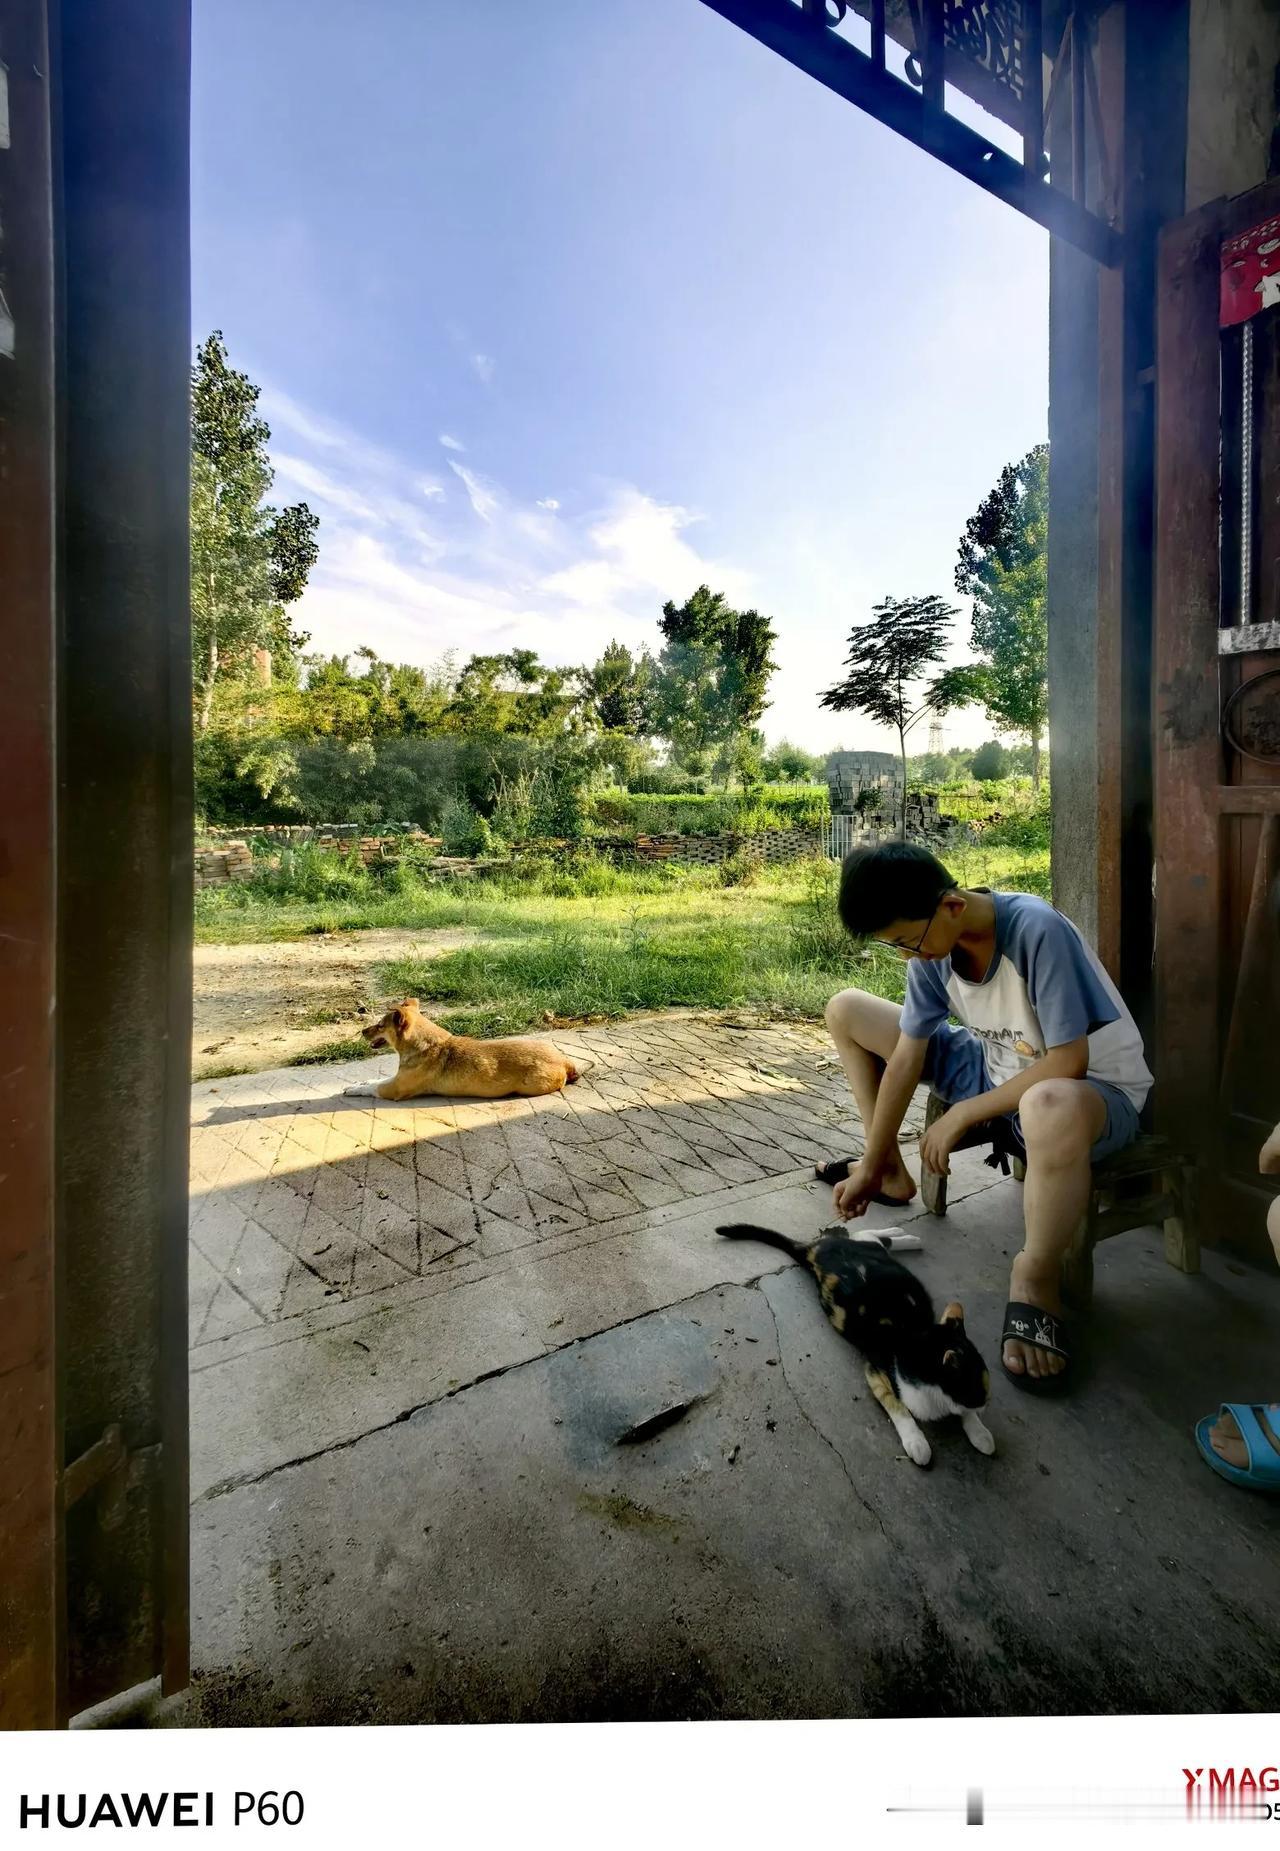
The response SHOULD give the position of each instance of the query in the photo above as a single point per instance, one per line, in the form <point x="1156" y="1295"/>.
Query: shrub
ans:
<point x="771" y="807"/>
<point x="740" y="869"/>
<point x="464" y="830"/>
<point x="665" y="781"/>
<point x="305" y="873"/>
<point x="991" y="761"/>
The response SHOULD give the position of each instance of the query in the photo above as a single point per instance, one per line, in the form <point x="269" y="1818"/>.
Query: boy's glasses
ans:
<point x="913" y="951"/>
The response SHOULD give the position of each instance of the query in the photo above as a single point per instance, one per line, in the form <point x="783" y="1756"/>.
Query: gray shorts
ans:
<point x="955" y="1069"/>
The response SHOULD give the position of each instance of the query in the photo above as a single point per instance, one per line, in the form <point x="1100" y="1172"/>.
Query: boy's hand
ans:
<point x="1269" y="1155"/>
<point x="852" y="1197"/>
<point x="938" y="1142"/>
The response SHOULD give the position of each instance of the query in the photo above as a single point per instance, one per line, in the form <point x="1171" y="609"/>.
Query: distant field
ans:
<point x="591" y="939"/>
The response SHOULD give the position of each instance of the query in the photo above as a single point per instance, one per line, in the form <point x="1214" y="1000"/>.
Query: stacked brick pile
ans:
<point x="230" y="861"/>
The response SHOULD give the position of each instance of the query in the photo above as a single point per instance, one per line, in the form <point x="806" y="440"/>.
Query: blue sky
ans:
<point x="560" y="309"/>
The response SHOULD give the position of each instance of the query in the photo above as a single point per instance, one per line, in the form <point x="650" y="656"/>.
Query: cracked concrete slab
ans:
<point x="419" y="1337"/>
<point x="351" y="1261"/>
<point x="497" y="1556"/>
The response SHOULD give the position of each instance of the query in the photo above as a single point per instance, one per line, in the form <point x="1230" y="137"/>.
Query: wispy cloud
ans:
<point x="635" y="551"/>
<point x="450" y="443"/>
<point x="484" y="364"/>
<point x="492" y="572"/>
<point x="480" y="492"/>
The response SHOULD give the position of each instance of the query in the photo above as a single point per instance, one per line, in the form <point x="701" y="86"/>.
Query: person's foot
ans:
<point x="896" y="1184"/>
<point x="1226" y="1440"/>
<point x="1030" y="1285"/>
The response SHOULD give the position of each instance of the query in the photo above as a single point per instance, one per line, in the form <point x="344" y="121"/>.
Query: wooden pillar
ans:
<point x="1142" y="86"/>
<point x="125" y="834"/>
<point x="95" y="853"/>
<point x="31" y="1604"/>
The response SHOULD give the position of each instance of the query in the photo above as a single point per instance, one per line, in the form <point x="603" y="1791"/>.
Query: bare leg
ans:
<point x="1224" y="1435"/>
<point x="865" y="1031"/>
<point x="1061" y="1119"/>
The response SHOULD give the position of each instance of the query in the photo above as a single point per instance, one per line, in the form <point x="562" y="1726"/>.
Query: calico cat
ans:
<point x="918" y="1366"/>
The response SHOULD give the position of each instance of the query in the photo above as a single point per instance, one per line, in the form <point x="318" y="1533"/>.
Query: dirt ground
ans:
<point x="259" y="1006"/>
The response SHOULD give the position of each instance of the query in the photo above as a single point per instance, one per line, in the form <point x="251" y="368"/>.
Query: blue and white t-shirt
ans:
<point x="1044" y="988"/>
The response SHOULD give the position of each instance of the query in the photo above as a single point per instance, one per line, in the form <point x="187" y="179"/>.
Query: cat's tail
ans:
<point x="770" y="1237"/>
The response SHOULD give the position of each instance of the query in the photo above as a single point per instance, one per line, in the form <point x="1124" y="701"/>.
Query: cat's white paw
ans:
<point x="918" y="1448"/>
<point x="980" y="1437"/>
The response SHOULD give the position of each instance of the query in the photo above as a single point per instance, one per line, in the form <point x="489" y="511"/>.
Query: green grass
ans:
<point x="354" y="1048"/>
<point x="600" y="941"/>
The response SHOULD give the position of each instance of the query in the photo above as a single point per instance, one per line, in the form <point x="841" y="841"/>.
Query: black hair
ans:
<point x="886" y="881"/>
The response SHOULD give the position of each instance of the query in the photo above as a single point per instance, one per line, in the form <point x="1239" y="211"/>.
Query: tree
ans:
<point x="515" y="693"/>
<point x="741" y="757"/>
<point x="930" y="768"/>
<point x="887" y="656"/>
<point x="788" y="764"/>
<point x="379" y="700"/>
<point x="991" y="761"/>
<point x="1003" y="566"/>
<point x="249" y="561"/>
<point x="712" y="676"/>
<point x="618" y="691"/>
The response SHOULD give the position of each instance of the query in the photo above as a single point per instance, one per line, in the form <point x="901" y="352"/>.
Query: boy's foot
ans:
<point x="1029" y="1285"/>
<point x="1226" y="1441"/>
<point x="896" y="1186"/>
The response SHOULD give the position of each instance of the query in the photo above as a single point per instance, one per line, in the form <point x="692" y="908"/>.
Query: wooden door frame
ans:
<point x="95" y="854"/>
<point x="1192" y="796"/>
<point x="32" y="1609"/>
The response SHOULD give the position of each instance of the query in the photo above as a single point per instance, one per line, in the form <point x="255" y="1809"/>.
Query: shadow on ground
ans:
<point x="499" y="1555"/>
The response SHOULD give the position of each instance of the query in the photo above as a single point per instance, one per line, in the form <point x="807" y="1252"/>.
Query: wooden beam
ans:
<point x="1248" y="799"/>
<point x="803" y="40"/>
<point x="1142" y="50"/>
<point x="1188" y="757"/>
<point x="31" y="1607"/>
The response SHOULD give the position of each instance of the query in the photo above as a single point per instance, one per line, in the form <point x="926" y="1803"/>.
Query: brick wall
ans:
<point x="710" y="851"/>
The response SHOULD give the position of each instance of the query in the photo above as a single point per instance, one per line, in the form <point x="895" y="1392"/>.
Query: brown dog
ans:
<point x="434" y="1061"/>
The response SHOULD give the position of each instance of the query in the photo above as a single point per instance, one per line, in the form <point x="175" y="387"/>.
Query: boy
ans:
<point x="1046" y="1041"/>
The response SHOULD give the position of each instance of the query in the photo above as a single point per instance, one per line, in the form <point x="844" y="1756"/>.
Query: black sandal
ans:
<point x="1042" y="1330"/>
<point x="839" y="1168"/>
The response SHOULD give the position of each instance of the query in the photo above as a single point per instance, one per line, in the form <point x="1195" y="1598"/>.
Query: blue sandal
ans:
<point x="1263" y="1470"/>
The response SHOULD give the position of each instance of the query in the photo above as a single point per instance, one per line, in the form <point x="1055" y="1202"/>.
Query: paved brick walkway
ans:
<point x="303" y="1199"/>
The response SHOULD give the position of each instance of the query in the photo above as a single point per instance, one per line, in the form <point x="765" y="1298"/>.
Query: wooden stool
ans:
<point x="1146" y="1183"/>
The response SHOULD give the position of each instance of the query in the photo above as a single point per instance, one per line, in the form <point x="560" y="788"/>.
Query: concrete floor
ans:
<point x="415" y="1497"/>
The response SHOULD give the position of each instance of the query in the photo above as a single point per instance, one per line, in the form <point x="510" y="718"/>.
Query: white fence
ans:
<point x="840" y="834"/>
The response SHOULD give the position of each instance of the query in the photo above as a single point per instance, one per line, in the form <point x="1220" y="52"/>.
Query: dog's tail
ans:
<point x="770" y="1237"/>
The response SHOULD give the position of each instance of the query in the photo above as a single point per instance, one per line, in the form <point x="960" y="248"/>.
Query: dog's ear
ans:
<point x="951" y="1359"/>
<point x="953" y="1314"/>
<point x="398" y="1019"/>
<point x="410" y="1005"/>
